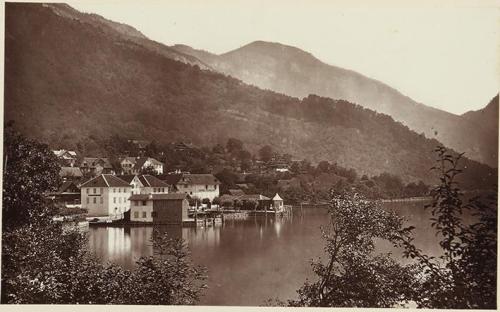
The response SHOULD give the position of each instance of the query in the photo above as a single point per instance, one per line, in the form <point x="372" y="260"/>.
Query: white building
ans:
<point x="134" y="165"/>
<point x="195" y="185"/>
<point x="106" y="196"/>
<point x="145" y="184"/>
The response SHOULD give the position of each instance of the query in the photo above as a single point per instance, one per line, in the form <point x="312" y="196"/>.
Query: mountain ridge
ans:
<point x="292" y="71"/>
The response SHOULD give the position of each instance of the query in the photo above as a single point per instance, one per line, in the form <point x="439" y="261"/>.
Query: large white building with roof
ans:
<point x="106" y="196"/>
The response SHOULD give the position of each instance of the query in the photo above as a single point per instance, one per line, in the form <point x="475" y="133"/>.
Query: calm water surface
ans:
<point x="254" y="259"/>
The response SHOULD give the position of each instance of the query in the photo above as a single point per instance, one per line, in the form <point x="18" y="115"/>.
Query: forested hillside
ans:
<point x="73" y="82"/>
<point x="294" y="72"/>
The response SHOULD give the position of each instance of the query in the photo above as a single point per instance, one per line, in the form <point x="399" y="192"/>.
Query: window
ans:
<point x="88" y="190"/>
<point x="135" y="203"/>
<point x="163" y="190"/>
<point x="136" y="214"/>
<point x="114" y="200"/>
<point x="191" y="193"/>
<point x="95" y="200"/>
<point x="206" y="187"/>
<point x="144" y="203"/>
<point x="114" y="190"/>
<point x="144" y="214"/>
<point x="94" y="190"/>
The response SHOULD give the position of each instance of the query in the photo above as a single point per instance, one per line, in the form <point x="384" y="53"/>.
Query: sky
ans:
<point x="445" y="57"/>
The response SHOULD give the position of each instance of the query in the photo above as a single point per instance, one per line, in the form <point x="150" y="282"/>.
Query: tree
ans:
<point x="234" y="145"/>
<point x="30" y="171"/>
<point x="42" y="262"/>
<point x="353" y="275"/>
<point x="266" y="153"/>
<point x="464" y="276"/>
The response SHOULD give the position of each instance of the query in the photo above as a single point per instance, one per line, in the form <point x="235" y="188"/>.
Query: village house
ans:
<point x="96" y="166"/>
<point x="152" y="185"/>
<point x="67" y="158"/>
<point x="134" y="181"/>
<point x="145" y="184"/>
<point x="169" y="209"/>
<point x="135" y="165"/>
<point x="70" y="173"/>
<point x="106" y="196"/>
<point x="68" y="194"/>
<point x="195" y="185"/>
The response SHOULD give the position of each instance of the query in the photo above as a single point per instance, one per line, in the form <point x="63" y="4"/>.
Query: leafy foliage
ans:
<point x="30" y="170"/>
<point x="353" y="275"/>
<point x="464" y="276"/>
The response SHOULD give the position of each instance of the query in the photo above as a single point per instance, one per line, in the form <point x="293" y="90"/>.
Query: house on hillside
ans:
<point x="96" y="166"/>
<point x="106" y="196"/>
<point x="135" y="165"/>
<point x="194" y="185"/>
<point x="67" y="158"/>
<point x="140" y="145"/>
<point x="169" y="209"/>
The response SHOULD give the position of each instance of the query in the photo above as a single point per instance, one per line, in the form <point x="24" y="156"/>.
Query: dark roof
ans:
<point x="92" y="162"/>
<point x="139" y="162"/>
<point x="171" y="179"/>
<point x="68" y="186"/>
<point x="152" y="181"/>
<point x="170" y="196"/>
<point x="105" y="180"/>
<point x="254" y="197"/>
<point x="199" y="179"/>
<point x="70" y="172"/>
<point x="127" y="177"/>
<point x="236" y="192"/>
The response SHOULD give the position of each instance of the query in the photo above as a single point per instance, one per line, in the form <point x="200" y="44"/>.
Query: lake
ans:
<point x="254" y="259"/>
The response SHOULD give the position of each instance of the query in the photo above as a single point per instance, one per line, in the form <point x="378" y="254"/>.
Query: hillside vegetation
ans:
<point x="72" y="82"/>
<point x="294" y="72"/>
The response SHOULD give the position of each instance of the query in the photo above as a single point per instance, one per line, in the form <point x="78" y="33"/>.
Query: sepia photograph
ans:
<point x="267" y="154"/>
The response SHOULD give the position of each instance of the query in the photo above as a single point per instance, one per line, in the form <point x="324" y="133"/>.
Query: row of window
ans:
<point x="100" y="190"/>
<point x="142" y="203"/>
<point x="101" y="200"/>
<point x="144" y="214"/>
<point x="158" y="190"/>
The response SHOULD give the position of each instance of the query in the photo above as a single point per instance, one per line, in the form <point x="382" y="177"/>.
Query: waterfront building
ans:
<point x="106" y="196"/>
<point x="278" y="203"/>
<point x="159" y="208"/>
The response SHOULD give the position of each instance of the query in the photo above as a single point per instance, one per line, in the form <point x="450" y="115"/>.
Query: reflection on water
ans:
<point x="254" y="259"/>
